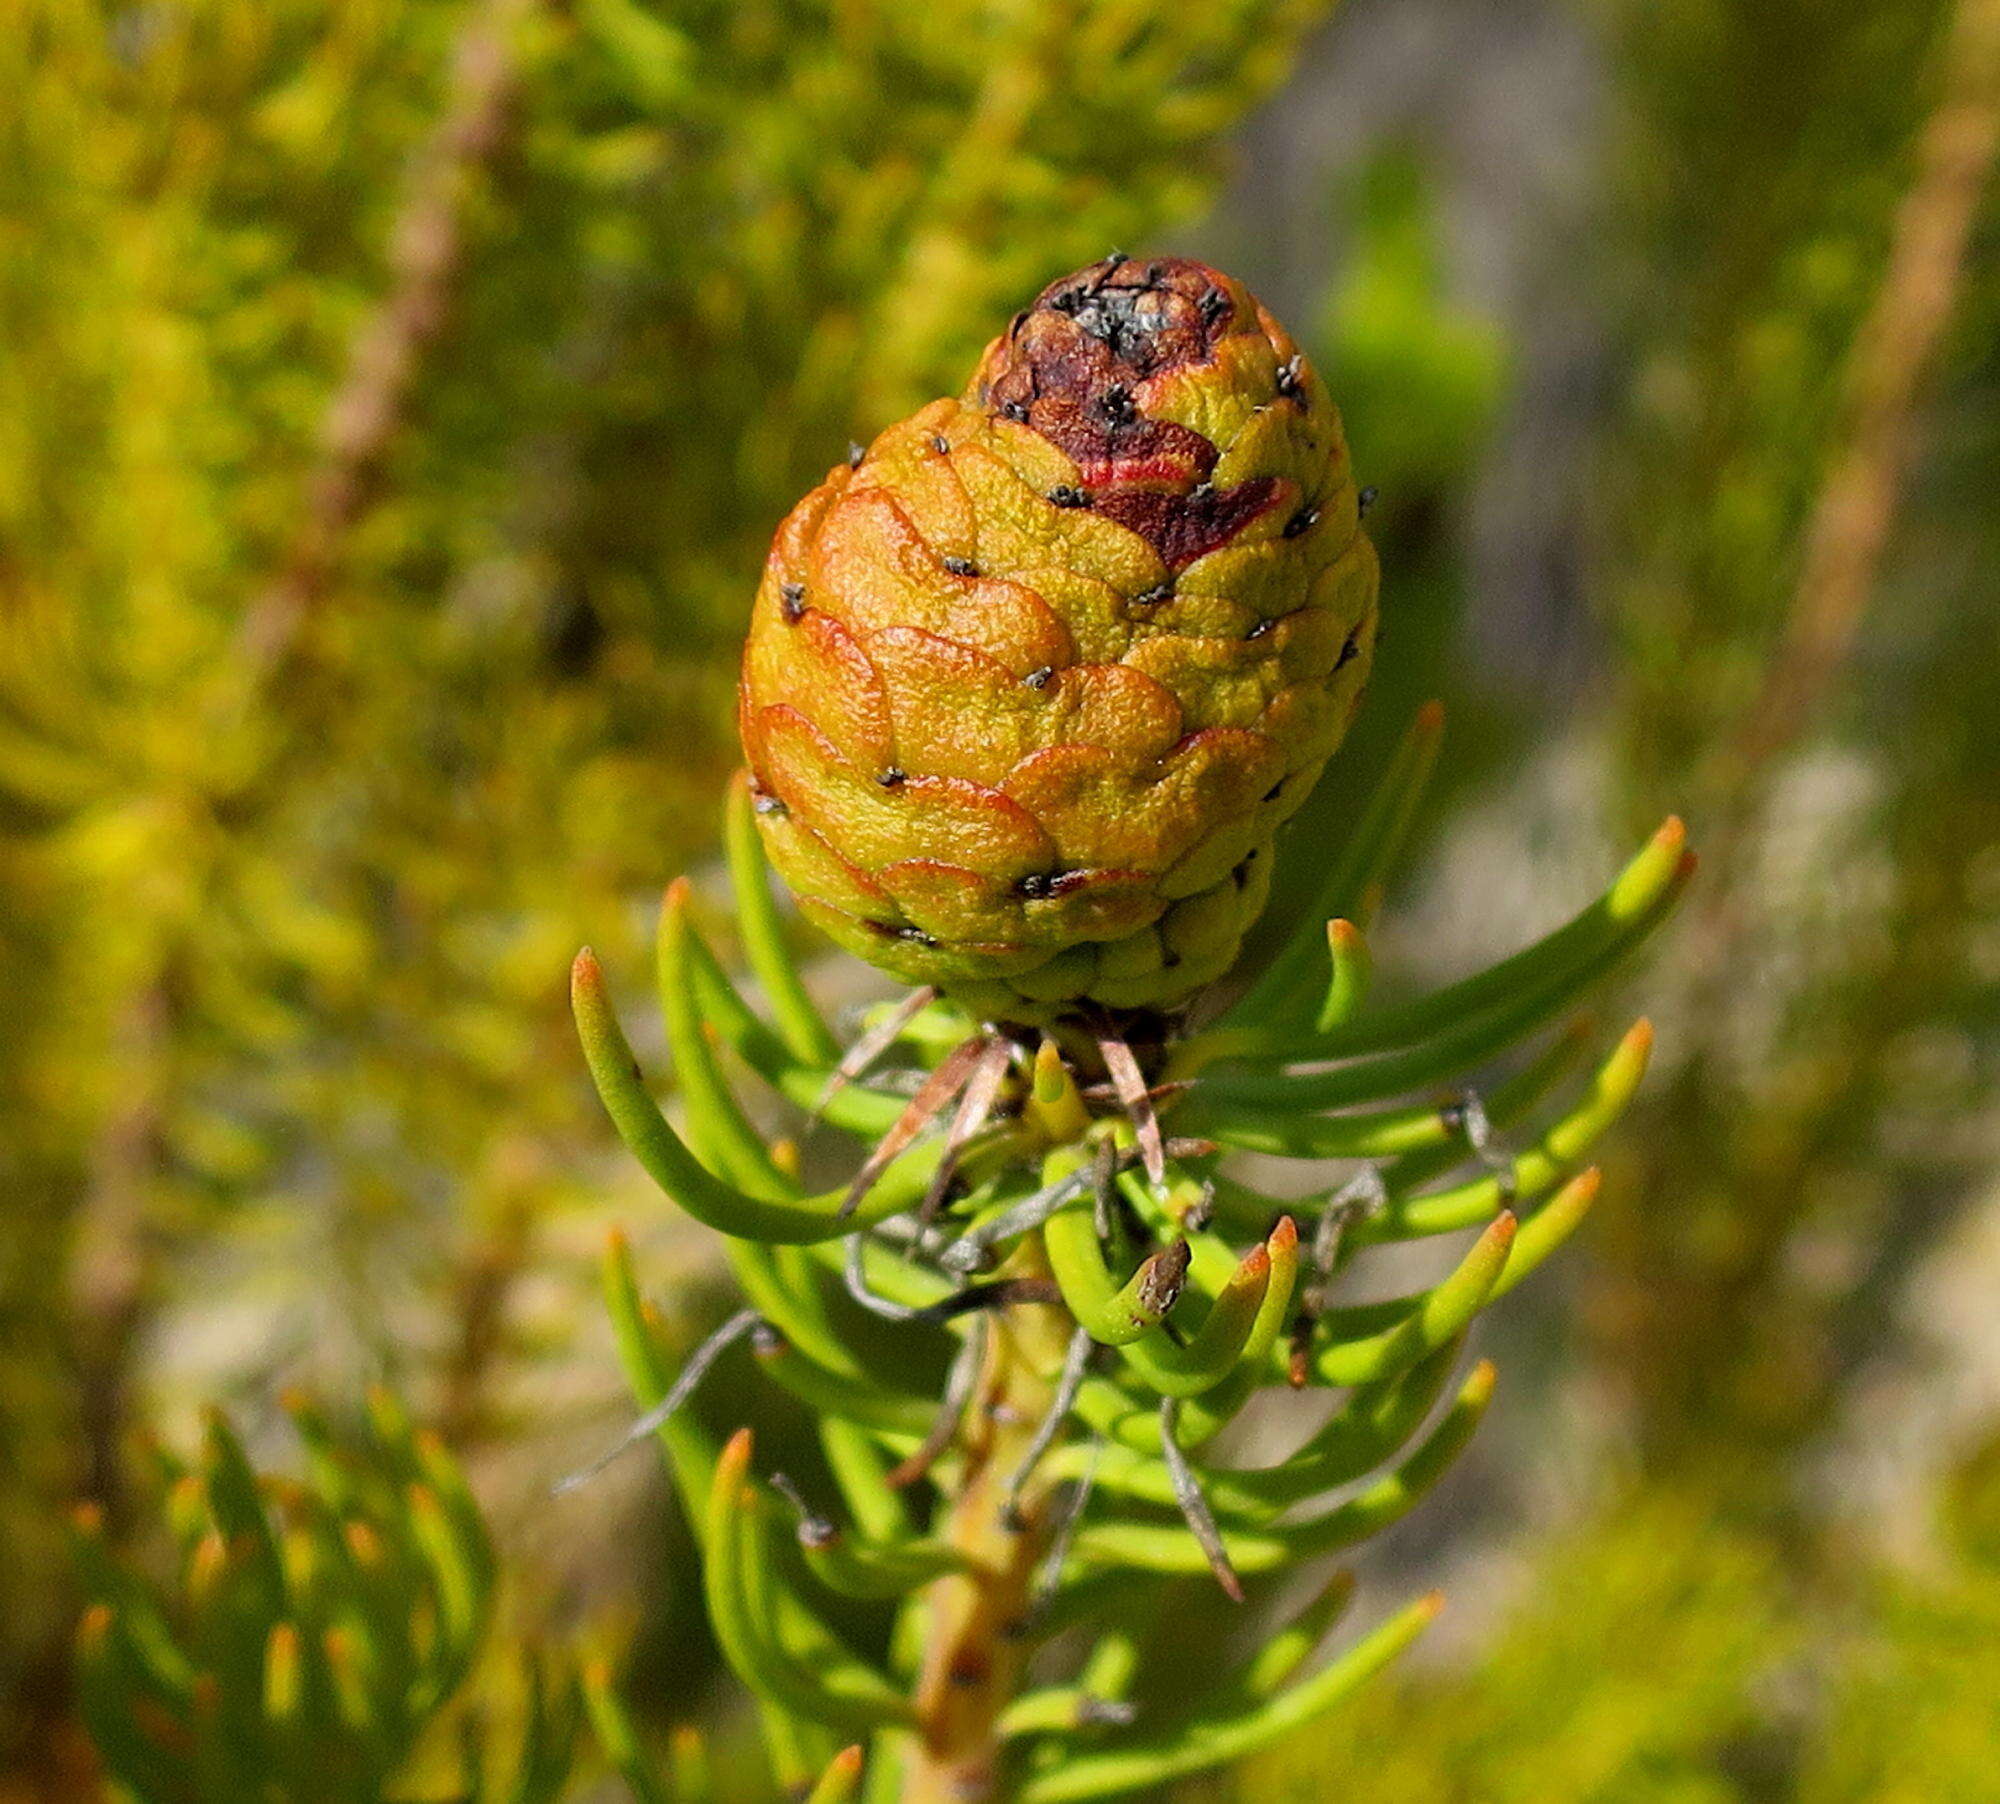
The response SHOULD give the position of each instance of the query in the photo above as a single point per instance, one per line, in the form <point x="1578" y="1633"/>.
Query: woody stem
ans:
<point x="974" y="1649"/>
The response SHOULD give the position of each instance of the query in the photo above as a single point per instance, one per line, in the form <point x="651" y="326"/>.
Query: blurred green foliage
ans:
<point x="1667" y="1658"/>
<point x="1571" y="1700"/>
<point x="1769" y="158"/>
<point x="318" y="1633"/>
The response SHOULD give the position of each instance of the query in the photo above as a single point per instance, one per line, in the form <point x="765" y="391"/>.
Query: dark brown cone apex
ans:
<point x="1074" y="367"/>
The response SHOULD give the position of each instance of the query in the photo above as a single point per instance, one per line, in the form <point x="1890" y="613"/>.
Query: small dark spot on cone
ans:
<point x="1350" y="649"/>
<point x="912" y="936"/>
<point x="1302" y="521"/>
<point x="1039" y="885"/>
<point x="792" y="601"/>
<point x="855" y="453"/>
<point x="1039" y="679"/>
<point x="894" y="777"/>
<point x="1066" y="495"/>
<point x="961" y="566"/>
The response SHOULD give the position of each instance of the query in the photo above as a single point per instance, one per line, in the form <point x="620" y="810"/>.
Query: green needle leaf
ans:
<point x="1115" y="1314"/>
<point x="1221" y="1734"/>
<point x="855" y="1567"/>
<point x="717" y="1129"/>
<point x="1367" y="1430"/>
<point x="1534" y="1172"/>
<point x="1292" y="1646"/>
<point x="683" y="1177"/>
<point x="1445" y="1044"/>
<point x="1347" y="950"/>
<point x="690" y="1452"/>
<point x="841" y="1782"/>
<point x="1158" y="1547"/>
<point x="1212" y="1352"/>
<point x="830" y="1393"/>
<point x="1439" y="1315"/>
<point x="618" y="1738"/>
<point x="821" y="1681"/>
<point x="853" y="1107"/>
<point x="1655" y="871"/>
<point x="1270" y="1127"/>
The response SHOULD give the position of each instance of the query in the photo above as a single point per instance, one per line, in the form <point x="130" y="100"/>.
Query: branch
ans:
<point x="426" y="249"/>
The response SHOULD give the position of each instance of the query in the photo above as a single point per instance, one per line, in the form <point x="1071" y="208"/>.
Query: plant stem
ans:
<point x="973" y="1649"/>
<point x="426" y="251"/>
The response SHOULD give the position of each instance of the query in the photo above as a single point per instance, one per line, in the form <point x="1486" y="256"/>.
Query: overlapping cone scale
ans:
<point x="1033" y="681"/>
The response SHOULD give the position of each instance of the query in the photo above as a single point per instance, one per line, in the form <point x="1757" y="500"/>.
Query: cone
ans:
<point x="1033" y="681"/>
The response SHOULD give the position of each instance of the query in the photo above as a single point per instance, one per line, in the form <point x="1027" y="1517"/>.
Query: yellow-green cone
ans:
<point x="1031" y="685"/>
